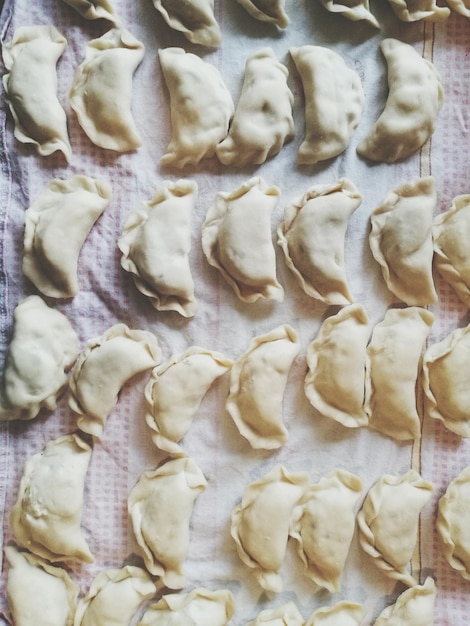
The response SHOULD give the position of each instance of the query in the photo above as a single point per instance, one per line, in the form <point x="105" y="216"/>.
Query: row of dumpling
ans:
<point x="203" y="117"/>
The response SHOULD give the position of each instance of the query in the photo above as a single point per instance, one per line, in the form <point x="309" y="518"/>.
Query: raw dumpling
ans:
<point x="312" y="238"/>
<point x="323" y="526"/>
<point x="175" y="391"/>
<point x="388" y="522"/>
<point x="353" y="10"/>
<point x="103" y="368"/>
<point x="237" y="240"/>
<point x="114" y="597"/>
<point x="334" y="101"/>
<point x="414" y="100"/>
<point x="414" y="607"/>
<point x="263" y="120"/>
<point x="194" y="18"/>
<point x="257" y="382"/>
<point x="64" y="213"/>
<point x="401" y="241"/>
<point x="31" y="88"/>
<point x="201" y="107"/>
<point x="260" y="524"/>
<point x="101" y="93"/>
<point x="336" y="359"/>
<point x="271" y="11"/>
<point x="411" y="11"/>
<point x="451" y="252"/>
<point x="42" y="349"/>
<point x="395" y="356"/>
<point x="155" y="245"/>
<point x="445" y="381"/>
<point x="452" y="523"/>
<point x="160" y="506"/>
<point x="286" y="615"/>
<point x="341" y="614"/>
<point x="199" y="606"/>
<point x="460" y="6"/>
<point x="94" y="9"/>
<point x="47" y="514"/>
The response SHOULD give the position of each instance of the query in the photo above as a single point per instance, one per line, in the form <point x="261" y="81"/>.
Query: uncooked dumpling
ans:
<point x="271" y="11"/>
<point x="263" y="119"/>
<point x="260" y="524"/>
<point x="312" y="237"/>
<point x="412" y="11"/>
<point x="101" y="93"/>
<point x="194" y="18"/>
<point x="31" y="88"/>
<point x="42" y="350"/>
<point x="460" y="6"/>
<point x="94" y="9"/>
<point x="160" y="506"/>
<point x="285" y="615"/>
<point x="103" y="368"/>
<point x="47" y="514"/>
<point x="56" y="226"/>
<point x="155" y="244"/>
<point x="354" y="10"/>
<point x="414" y="607"/>
<point x="257" y="382"/>
<point x="343" y="613"/>
<point x="237" y="240"/>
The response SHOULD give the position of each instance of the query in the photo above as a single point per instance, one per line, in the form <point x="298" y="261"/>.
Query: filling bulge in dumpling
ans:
<point x="414" y="607"/>
<point x="285" y="615"/>
<point x="194" y="18"/>
<point x="342" y="613"/>
<point x="95" y="9"/>
<point x="271" y="11"/>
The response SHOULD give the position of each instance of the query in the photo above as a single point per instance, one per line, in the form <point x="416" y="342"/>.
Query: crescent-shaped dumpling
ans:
<point x="271" y="11"/>
<point x="103" y="368"/>
<point x="462" y="7"/>
<point x="64" y="213"/>
<point x="334" y="100"/>
<point x="101" y="93"/>
<point x="31" y="88"/>
<point x="263" y="120"/>
<point x="413" y="102"/>
<point x="285" y="615"/>
<point x="312" y="237"/>
<point x="353" y="10"/>
<point x="95" y="9"/>
<point x="413" y="607"/>
<point x="194" y="18"/>
<point x="410" y="11"/>
<point x="342" y="613"/>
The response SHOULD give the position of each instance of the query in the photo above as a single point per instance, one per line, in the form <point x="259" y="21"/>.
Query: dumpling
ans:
<point x="194" y="18"/>
<point x="323" y="526"/>
<point x="352" y="9"/>
<point x="285" y="615"/>
<point x="258" y="379"/>
<point x="63" y="213"/>
<point x="460" y="6"/>
<point x="175" y="391"/>
<point x="410" y="11"/>
<point x="414" y="607"/>
<point x="213" y="608"/>
<point x="452" y="523"/>
<point x="260" y="524"/>
<point x="31" y="88"/>
<point x="334" y="100"/>
<point x="271" y="11"/>
<point x="155" y="244"/>
<point x="388" y="522"/>
<point x="37" y="592"/>
<point x="95" y="9"/>
<point x="160" y="506"/>
<point x="445" y="381"/>
<point x="42" y="350"/>
<point x="114" y="597"/>
<point x="395" y="357"/>
<point x="47" y="514"/>
<point x="343" y="613"/>
<point x="401" y="241"/>
<point x="236" y="239"/>
<point x="414" y="100"/>
<point x="101" y="93"/>
<point x="451" y="253"/>
<point x="263" y="120"/>
<point x="336" y="360"/>
<point x="103" y="368"/>
<point x="201" y="107"/>
<point x="312" y="237"/>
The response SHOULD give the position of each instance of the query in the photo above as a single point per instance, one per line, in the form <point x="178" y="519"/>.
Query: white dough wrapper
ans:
<point x="31" y="88"/>
<point x="270" y="11"/>
<point x="414" y="607"/>
<point x="263" y="120"/>
<point x="260" y="523"/>
<point x="95" y="9"/>
<point x="334" y="101"/>
<point x="56" y="226"/>
<point x="237" y="240"/>
<point x="285" y="615"/>
<point x="258" y="379"/>
<point x="342" y="613"/>
<point x="414" y="99"/>
<point x="194" y="18"/>
<point x="201" y="107"/>
<point x="42" y="349"/>
<point x="47" y="514"/>
<point x="155" y="243"/>
<point x="160" y="507"/>
<point x="410" y="11"/>
<point x="103" y="368"/>
<point x="354" y="10"/>
<point x="101" y="93"/>
<point x="461" y="7"/>
<point x="312" y="237"/>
